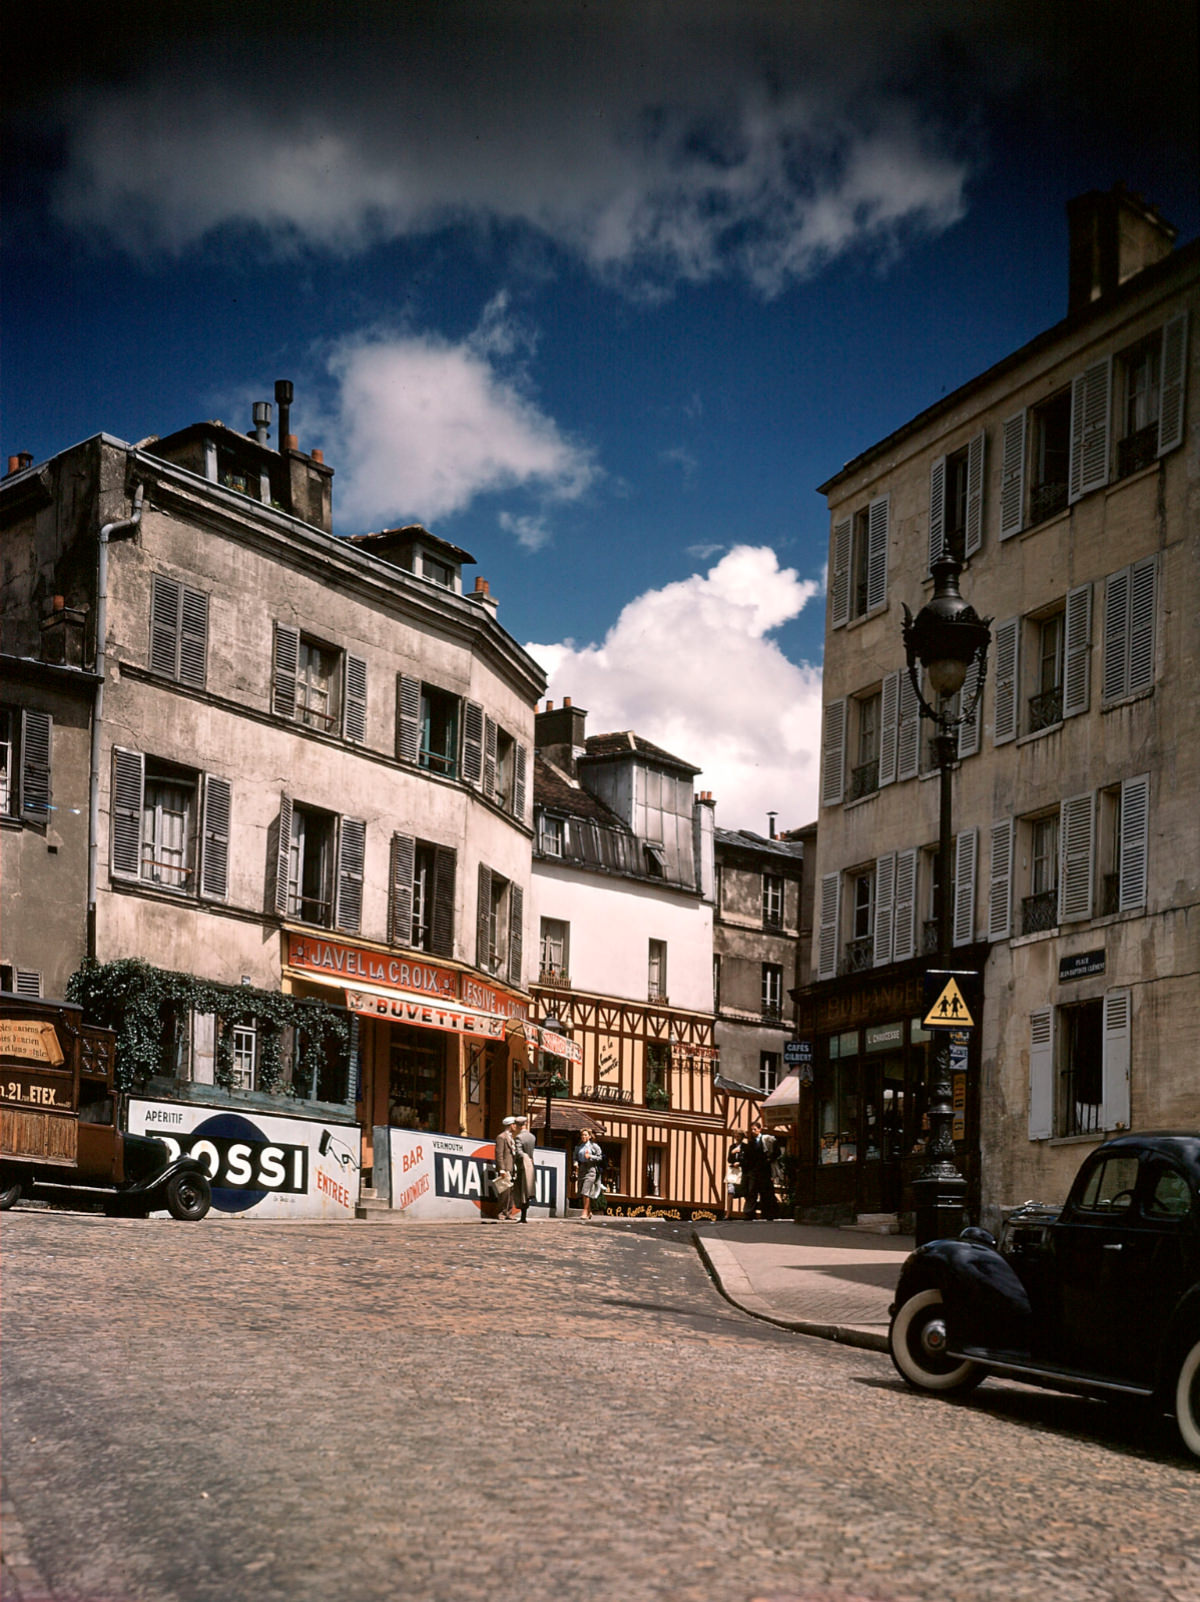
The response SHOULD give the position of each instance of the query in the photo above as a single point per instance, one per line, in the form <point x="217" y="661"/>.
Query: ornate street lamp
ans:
<point x="946" y="638"/>
<point x="546" y="1078"/>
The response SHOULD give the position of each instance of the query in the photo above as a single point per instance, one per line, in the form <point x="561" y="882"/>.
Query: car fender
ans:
<point x="1182" y="1334"/>
<point x="151" y="1183"/>
<point x="986" y="1303"/>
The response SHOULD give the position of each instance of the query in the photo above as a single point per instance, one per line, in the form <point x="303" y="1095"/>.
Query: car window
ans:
<point x="1171" y="1196"/>
<point x="1110" y="1185"/>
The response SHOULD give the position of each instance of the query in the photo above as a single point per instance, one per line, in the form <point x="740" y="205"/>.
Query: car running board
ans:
<point x="1048" y="1373"/>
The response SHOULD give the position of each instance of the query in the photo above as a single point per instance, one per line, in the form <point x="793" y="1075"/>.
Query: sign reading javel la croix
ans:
<point x="357" y="965"/>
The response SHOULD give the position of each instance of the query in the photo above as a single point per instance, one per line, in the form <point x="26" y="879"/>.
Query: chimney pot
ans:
<point x="482" y="587"/>
<point x="291" y="442"/>
<point x="549" y="706"/>
<point x="566" y="700"/>
<point x="318" y="456"/>
<point x="14" y="463"/>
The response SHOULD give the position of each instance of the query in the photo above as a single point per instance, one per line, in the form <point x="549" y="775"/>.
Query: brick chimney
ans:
<point x="558" y="734"/>
<point x="1113" y="235"/>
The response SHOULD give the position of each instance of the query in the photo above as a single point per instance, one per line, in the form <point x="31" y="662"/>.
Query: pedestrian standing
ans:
<point x="588" y="1161"/>
<point x="506" y="1161"/>
<point x="734" y="1174"/>
<point x="758" y="1151"/>
<point x="524" y="1172"/>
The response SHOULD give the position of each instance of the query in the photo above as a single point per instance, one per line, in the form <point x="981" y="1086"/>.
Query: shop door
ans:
<point x="893" y="1115"/>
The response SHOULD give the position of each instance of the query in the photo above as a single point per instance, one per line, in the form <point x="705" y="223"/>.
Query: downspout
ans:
<point x="110" y="531"/>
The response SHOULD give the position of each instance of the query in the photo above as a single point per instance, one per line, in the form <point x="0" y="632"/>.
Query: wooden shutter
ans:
<point x="193" y="638"/>
<point x="908" y="739"/>
<point x="1114" y="1077"/>
<point x="354" y="702"/>
<point x="937" y="508"/>
<point x="472" y="756"/>
<point x="1090" y="392"/>
<point x="1142" y="586"/>
<point x="483" y="920"/>
<point x="1076" y="842"/>
<point x="214" y="838"/>
<point x="975" y="464"/>
<point x="833" y="754"/>
<point x="281" y="857"/>
<point x="401" y="868"/>
<point x="520" y="762"/>
<point x="889" y="713"/>
<point x="164" y="625"/>
<point x="828" y="938"/>
<point x="1041" y="1073"/>
<point x="128" y="789"/>
<point x="516" y="933"/>
<point x="37" y="738"/>
<point x="885" y="904"/>
<point x="1115" y="654"/>
<point x="1012" y="475"/>
<point x="445" y="866"/>
<point x="408" y="718"/>
<point x="839" y="573"/>
<point x="966" y="851"/>
<point x="351" y="853"/>
<point x="1077" y="651"/>
<point x="1008" y="667"/>
<point x="1172" y="384"/>
<point x="877" y="551"/>
<point x="1134" y="843"/>
<point x="904" y="922"/>
<point x="287" y="666"/>
<point x="968" y="731"/>
<point x="491" y="734"/>
<point x="1000" y="881"/>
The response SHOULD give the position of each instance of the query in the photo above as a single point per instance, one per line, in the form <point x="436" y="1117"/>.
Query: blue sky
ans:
<point x="599" y="292"/>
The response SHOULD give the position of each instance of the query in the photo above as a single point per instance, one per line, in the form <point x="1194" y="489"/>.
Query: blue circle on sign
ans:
<point x="232" y="1126"/>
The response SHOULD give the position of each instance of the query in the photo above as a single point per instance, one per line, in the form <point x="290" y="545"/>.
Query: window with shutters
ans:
<point x="656" y="971"/>
<point x="1050" y="457"/>
<point x="555" y="951"/>
<point x="956" y="501"/>
<point x="310" y="866"/>
<point x="26" y="739"/>
<point x="864" y="775"/>
<point x="1080" y="1102"/>
<point x="319" y="685"/>
<point x="169" y="826"/>
<point x="500" y="919"/>
<point x="860" y="947"/>
<point x="178" y="631"/>
<point x="1137" y="387"/>
<point x="1122" y="841"/>
<point x="439" y="731"/>
<point x="1039" y="908"/>
<point x="1046" y="701"/>
<point x="1130" y="605"/>
<point x="858" y="565"/>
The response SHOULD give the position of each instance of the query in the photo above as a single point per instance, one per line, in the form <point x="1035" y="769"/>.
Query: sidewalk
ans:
<point x="836" y="1283"/>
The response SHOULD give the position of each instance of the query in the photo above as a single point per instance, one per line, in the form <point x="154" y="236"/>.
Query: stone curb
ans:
<point x="737" y="1288"/>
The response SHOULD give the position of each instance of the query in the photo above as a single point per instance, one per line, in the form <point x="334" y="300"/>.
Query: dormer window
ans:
<point x="437" y="571"/>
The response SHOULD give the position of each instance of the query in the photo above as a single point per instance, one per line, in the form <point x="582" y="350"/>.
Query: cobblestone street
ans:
<point x="431" y="1413"/>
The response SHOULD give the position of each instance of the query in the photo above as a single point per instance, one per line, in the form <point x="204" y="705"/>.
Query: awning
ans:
<point x="563" y="1118"/>
<point x="734" y="1087"/>
<point x="786" y="1095"/>
<point x="395" y="1006"/>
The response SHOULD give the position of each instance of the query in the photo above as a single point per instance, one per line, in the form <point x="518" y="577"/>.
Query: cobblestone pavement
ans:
<point x="353" y="1413"/>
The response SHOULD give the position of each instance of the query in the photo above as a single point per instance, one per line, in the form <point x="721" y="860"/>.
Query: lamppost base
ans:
<point x="939" y="1202"/>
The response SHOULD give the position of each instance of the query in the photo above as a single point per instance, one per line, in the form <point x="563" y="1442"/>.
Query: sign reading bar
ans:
<point x="945" y="1001"/>
<point x="1080" y="965"/>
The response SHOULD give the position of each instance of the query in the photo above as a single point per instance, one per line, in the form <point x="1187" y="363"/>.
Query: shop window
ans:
<point x="656" y="1164"/>
<point x="613" y="1169"/>
<point x="837" y="1101"/>
<point x="416" y="1069"/>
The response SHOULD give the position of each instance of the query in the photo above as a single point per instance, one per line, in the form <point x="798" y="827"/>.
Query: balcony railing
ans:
<point x="554" y="979"/>
<point x="1040" y="912"/>
<point x="1047" y="500"/>
<point x="864" y="780"/>
<point x="1045" y="710"/>
<point x="929" y="937"/>
<point x="1110" y="894"/>
<point x="1137" y="450"/>
<point x="858" y="955"/>
<point x="772" y="1013"/>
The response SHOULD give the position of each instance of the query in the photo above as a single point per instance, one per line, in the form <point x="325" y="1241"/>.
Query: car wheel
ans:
<point x="188" y="1196"/>
<point x="10" y="1194"/>
<point x="1187" y="1399"/>
<point x="917" y="1341"/>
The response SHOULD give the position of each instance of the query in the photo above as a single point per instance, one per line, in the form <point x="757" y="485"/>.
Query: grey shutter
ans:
<point x="1077" y="651"/>
<point x="401" y="868"/>
<point x="1115" y="1064"/>
<point x="904" y="923"/>
<point x="1172" y="383"/>
<point x="1000" y="881"/>
<point x="483" y="920"/>
<point x="1134" y="844"/>
<point x="193" y="638"/>
<point x="1041" y="1073"/>
<point x="889" y="713"/>
<point x="1115" y="654"/>
<point x="937" y="508"/>
<point x="520" y="761"/>
<point x="128" y="789"/>
<point x="516" y="933"/>
<point x="833" y="754"/>
<point x="1008" y="667"/>
<point x="1090" y="392"/>
<point x="885" y="904"/>
<point x="828" y="936"/>
<point x="1076" y="839"/>
<point x="408" y="717"/>
<point x="445" y="865"/>
<point x="37" y="736"/>
<point x="354" y="702"/>
<point x="490" y="748"/>
<point x="877" y="551"/>
<point x="1012" y="475"/>
<point x="1141" y="624"/>
<point x="214" y="838"/>
<point x="908" y="740"/>
<point x="287" y="666"/>
<point x="472" y="756"/>
<point x="968" y="732"/>
<point x="164" y="625"/>
<point x="351" y="853"/>
<point x="839" y="573"/>
<point x="966" y="850"/>
<point x="281" y="857"/>
<point x="975" y="464"/>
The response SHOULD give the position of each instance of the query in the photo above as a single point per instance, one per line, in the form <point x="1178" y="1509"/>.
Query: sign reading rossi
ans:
<point x="447" y="1176"/>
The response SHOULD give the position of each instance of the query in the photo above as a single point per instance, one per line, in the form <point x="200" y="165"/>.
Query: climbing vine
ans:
<point x="141" y="1002"/>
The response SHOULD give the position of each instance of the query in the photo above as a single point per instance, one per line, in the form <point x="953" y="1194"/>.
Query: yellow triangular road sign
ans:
<point x="949" y="1011"/>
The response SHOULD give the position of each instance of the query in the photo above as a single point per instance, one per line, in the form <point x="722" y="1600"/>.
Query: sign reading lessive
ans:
<point x="447" y="1176"/>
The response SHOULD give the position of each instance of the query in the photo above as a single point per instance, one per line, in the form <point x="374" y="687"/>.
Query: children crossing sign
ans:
<point x="946" y="1001"/>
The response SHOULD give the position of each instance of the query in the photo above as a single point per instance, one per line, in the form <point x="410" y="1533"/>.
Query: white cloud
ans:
<point x="692" y="667"/>
<point x="531" y="532"/>
<point x="423" y="425"/>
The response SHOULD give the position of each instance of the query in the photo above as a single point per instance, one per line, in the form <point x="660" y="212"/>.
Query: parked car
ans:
<point x="60" y="1124"/>
<point x="1100" y="1297"/>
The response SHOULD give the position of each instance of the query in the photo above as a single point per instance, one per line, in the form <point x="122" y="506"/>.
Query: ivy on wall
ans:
<point x="140" y="1003"/>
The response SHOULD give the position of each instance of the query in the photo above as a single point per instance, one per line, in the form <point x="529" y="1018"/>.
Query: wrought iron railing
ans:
<point x="1045" y="710"/>
<point x="1047" y="500"/>
<point x="864" y="780"/>
<point x="554" y="979"/>
<point x="858" y="955"/>
<point x="1136" y="451"/>
<point x="1040" y="912"/>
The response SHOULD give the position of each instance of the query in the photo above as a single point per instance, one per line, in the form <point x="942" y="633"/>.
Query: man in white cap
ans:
<point x="524" y="1173"/>
<point x="505" y="1163"/>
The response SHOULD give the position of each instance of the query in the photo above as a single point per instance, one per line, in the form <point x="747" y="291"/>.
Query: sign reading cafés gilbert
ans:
<point x="410" y="975"/>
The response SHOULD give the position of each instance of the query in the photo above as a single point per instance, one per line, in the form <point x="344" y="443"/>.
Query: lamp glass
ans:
<point x="947" y="675"/>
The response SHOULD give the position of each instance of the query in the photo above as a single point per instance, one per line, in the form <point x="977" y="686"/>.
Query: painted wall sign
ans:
<point x="314" y="955"/>
<point x="31" y="1039"/>
<point x="448" y="1176"/>
<point x="450" y="1019"/>
<point x="1080" y="965"/>
<point x="486" y="998"/>
<point x="270" y="1167"/>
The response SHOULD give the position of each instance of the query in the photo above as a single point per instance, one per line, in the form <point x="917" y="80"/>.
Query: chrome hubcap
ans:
<point x="933" y="1337"/>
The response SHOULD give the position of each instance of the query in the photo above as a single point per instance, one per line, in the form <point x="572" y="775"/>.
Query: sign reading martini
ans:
<point x="946" y="1003"/>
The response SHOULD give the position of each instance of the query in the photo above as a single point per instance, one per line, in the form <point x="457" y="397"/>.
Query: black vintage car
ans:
<point x="1100" y="1297"/>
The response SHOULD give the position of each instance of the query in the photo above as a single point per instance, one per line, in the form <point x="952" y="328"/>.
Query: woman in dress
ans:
<point x="588" y="1160"/>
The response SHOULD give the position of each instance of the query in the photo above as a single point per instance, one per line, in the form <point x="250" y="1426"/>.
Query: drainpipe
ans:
<point x="110" y="531"/>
